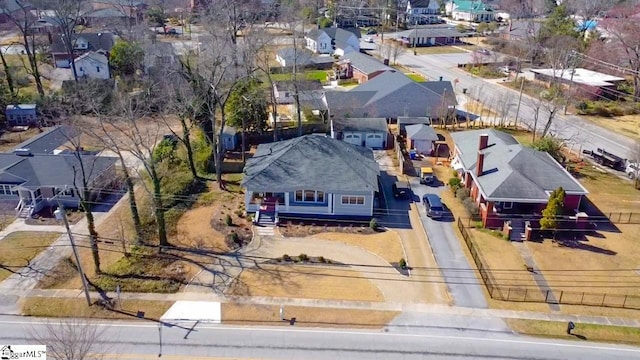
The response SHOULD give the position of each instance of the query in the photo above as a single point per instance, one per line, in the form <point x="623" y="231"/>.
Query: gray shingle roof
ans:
<point x="303" y="56"/>
<point x="47" y="141"/>
<point x="340" y="35"/>
<point x="307" y="162"/>
<point x="389" y="95"/>
<point x="360" y="124"/>
<point x="57" y="170"/>
<point x="97" y="41"/>
<point x="121" y="2"/>
<point x="419" y="3"/>
<point x="513" y="172"/>
<point x="431" y="32"/>
<point x="421" y="132"/>
<point x="365" y="63"/>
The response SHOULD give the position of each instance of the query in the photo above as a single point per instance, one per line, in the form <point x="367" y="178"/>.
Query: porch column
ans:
<point x="33" y="198"/>
<point x="286" y="201"/>
<point x="329" y="203"/>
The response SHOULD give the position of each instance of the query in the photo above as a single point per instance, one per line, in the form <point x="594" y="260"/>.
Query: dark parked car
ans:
<point x="401" y="190"/>
<point x="433" y="205"/>
<point x="372" y="32"/>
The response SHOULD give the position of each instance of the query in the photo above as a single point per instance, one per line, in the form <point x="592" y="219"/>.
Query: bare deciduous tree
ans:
<point x="71" y="339"/>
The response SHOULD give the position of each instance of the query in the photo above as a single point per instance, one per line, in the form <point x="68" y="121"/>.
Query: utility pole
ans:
<point x="415" y="38"/>
<point x="515" y="123"/>
<point x="61" y="214"/>
<point x="244" y="126"/>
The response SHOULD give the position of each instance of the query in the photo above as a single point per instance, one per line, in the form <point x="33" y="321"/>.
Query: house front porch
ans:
<point x="309" y="202"/>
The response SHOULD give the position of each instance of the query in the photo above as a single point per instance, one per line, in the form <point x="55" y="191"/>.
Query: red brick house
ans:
<point x="363" y="67"/>
<point x="508" y="180"/>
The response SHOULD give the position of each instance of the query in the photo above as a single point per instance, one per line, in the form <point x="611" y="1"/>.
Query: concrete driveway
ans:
<point x="464" y="288"/>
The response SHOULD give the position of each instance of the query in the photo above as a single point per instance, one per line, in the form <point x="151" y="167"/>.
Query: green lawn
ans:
<point x="416" y="77"/>
<point x="320" y="75"/>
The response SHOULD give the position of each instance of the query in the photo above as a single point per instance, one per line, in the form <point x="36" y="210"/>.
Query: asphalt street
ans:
<point x="573" y="129"/>
<point x="141" y="340"/>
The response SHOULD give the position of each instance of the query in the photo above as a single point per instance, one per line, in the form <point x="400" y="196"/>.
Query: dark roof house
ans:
<point x="365" y="67"/>
<point x="392" y="95"/>
<point x="295" y="172"/>
<point x="83" y="42"/>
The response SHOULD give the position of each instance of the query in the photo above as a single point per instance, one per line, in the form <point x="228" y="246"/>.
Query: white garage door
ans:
<point x="353" y="139"/>
<point x="375" y="141"/>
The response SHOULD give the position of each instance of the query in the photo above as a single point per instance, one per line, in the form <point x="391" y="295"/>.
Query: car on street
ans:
<point x="372" y="32"/>
<point x="484" y="52"/>
<point x="401" y="190"/>
<point x="368" y="39"/>
<point x="433" y="206"/>
<point x="633" y="170"/>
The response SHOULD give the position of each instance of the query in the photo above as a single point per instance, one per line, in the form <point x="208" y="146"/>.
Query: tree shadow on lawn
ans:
<point x="580" y="243"/>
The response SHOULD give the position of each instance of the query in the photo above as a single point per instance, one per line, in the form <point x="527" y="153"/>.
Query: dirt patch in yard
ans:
<point x="215" y="218"/>
<point x="306" y="281"/>
<point x="249" y="314"/>
<point x="385" y="244"/>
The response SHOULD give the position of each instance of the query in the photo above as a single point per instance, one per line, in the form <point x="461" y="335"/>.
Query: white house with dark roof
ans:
<point x="368" y="132"/>
<point x="336" y="41"/>
<point x="422" y="12"/>
<point x="93" y="65"/>
<point x="81" y="43"/>
<point x="289" y="178"/>
<point x="506" y="178"/>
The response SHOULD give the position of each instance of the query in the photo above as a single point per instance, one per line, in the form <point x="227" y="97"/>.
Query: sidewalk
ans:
<point x="341" y="304"/>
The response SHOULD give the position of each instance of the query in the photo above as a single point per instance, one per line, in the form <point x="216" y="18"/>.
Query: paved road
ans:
<point x="464" y="286"/>
<point x="140" y="340"/>
<point x="572" y="128"/>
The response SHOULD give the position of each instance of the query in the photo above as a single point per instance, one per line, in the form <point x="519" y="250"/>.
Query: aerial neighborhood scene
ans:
<point x="320" y="179"/>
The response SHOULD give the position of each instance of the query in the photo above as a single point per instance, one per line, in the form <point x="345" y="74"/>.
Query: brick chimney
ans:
<point x="483" y="144"/>
<point x="480" y="163"/>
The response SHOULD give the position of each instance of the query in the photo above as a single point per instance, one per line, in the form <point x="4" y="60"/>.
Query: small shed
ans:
<point x="229" y="138"/>
<point x="421" y="137"/>
<point x="21" y="114"/>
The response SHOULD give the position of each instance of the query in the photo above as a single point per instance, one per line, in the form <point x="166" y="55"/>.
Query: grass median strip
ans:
<point x="77" y="307"/>
<point x="250" y="314"/>
<point x="590" y="332"/>
<point x="18" y="249"/>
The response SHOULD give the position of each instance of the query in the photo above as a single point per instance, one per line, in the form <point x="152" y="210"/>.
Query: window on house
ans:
<point x="64" y="192"/>
<point x="81" y="69"/>
<point x="507" y="205"/>
<point x="8" y="190"/>
<point x="309" y="196"/>
<point x="97" y="68"/>
<point x="352" y="200"/>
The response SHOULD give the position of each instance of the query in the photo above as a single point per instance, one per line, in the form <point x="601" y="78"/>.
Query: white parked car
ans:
<point x="368" y="39"/>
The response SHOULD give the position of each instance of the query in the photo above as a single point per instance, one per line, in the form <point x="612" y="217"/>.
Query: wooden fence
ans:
<point x="551" y="296"/>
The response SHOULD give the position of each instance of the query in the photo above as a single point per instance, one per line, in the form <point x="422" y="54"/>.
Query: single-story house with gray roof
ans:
<point x="507" y="178"/>
<point x="37" y="174"/>
<point x="391" y="95"/>
<point x="431" y="36"/>
<point x="290" y="178"/>
<point x="422" y="138"/>
<point x="367" y="132"/>
<point x="303" y="58"/>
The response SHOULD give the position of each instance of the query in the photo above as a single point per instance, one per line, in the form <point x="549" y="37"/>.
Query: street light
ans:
<point x="60" y="214"/>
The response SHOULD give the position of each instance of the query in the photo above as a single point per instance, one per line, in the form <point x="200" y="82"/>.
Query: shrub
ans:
<point x="463" y="193"/>
<point x="228" y="220"/>
<point x="286" y="257"/>
<point x="322" y="259"/>
<point x="303" y="257"/>
<point x="471" y="206"/>
<point x="373" y="224"/>
<point x="234" y="239"/>
<point x="455" y="183"/>
<point x="402" y="263"/>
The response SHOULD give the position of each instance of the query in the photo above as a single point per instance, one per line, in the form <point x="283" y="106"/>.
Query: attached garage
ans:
<point x="374" y="141"/>
<point x="354" y="139"/>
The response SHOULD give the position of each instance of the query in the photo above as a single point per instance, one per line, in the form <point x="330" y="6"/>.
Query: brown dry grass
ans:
<point x="76" y="307"/>
<point x="386" y="244"/>
<point x="478" y="108"/>
<point x="306" y="281"/>
<point x="18" y="248"/>
<point x="249" y="314"/>
<point x="590" y="332"/>
<point x="605" y="264"/>
<point x="627" y="125"/>
<point x="293" y="228"/>
<point x="195" y="229"/>
<point x="608" y="192"/>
